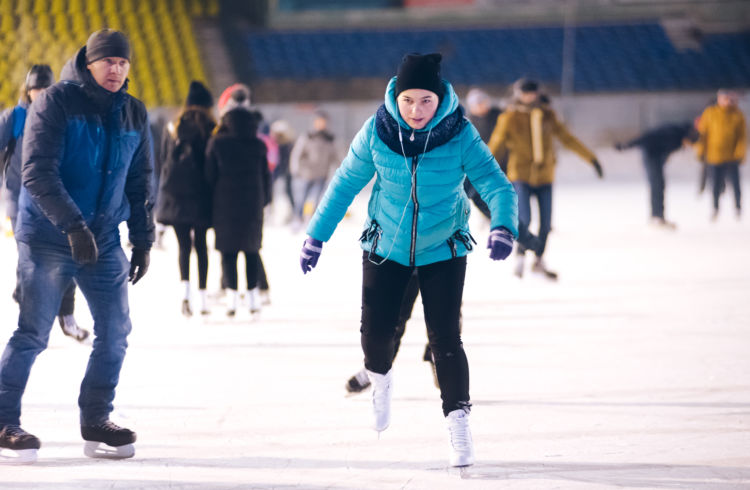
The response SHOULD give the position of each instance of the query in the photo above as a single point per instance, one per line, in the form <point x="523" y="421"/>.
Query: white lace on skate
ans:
<point x="462" y="446"/>
<point x="17" y="456"/>
<point x="382" y="388"/>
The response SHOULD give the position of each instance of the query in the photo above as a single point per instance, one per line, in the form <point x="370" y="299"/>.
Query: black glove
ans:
<point x="139" y="261"/>
<point x="83" y="245"/>
<point x="598" y="168"/>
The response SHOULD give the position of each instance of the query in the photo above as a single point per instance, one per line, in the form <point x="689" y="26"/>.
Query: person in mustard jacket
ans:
<point x="524" y="133"/>
<point x="722" y="146"/>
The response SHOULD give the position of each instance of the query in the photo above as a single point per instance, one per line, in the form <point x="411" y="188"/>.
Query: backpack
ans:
<point x="17" y="120"/>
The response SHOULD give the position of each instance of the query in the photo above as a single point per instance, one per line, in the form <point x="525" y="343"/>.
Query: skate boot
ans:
<point x="358" y="383"/>
<point x="540" y="267"/>
<point x="17" y="446"/>
<point x="462" y="446"/>
<point x="233" y="301"/>
<point x="520" y="262"/>
<point x="265" y="297"/>
<point x="253" y="297"/>
<point x="186" y="310"/>
<point x="382" y="388"/>
<point x="107" y="440"/>
<point x="71" y="329"/>
<point x="662" y="223"/>
<point x="204" y="302"/>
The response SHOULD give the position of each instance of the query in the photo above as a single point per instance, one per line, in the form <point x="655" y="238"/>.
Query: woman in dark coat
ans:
<point x="237" y="172"/>
<point x="184" y="196"/>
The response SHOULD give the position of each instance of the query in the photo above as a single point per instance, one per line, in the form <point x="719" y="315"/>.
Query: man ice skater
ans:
<point x="656" y="145"/>
<point x="87" y="165"/>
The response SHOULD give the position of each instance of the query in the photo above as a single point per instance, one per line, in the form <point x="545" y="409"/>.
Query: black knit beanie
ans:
<point x="39" y="76"/>
<point x="106" y="43"/>
<point x="199" y="95"/>
<point x="420" y="71"/>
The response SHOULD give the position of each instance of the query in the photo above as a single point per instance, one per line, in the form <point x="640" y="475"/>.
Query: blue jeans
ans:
<point x="719" y="173"/>
<point x="45" y="273"/>
<point x="307" y="189"/>
<point x="543" y="194"/>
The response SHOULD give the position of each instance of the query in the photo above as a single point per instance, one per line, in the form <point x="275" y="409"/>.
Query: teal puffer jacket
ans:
<point x="418" y="212"/>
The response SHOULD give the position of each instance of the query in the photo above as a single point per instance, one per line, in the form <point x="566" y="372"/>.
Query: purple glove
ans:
<point x="500" y="243"/>
<point x="310" y="254"/>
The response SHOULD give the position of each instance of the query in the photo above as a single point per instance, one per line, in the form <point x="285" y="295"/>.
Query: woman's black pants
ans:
<point x="441" y="285"/>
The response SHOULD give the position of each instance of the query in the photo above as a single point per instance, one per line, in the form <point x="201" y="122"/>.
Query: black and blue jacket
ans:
<point x="87" y="158"/>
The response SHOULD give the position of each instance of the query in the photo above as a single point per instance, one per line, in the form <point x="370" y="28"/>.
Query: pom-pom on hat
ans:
<point x="199" y="95"/>
<point x="237" y="95"/>
<point x="420" y="71"/>
<point x="106" y="43"/>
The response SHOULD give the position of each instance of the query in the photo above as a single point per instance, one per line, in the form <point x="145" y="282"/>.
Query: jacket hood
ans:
<point x="240" y="122"/>
<point x="447" y="106"/>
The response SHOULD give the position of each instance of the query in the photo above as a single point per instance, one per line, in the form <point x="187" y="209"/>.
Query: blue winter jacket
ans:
<point x="418" y="211"/>
<point x="87" y="158"/>
<point x="11" y="129"/>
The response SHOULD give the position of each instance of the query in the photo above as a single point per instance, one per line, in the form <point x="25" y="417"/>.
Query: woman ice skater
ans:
<point x="420" y="148"/>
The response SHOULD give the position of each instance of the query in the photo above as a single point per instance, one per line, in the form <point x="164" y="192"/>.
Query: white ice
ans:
<point x="632" y="371"/>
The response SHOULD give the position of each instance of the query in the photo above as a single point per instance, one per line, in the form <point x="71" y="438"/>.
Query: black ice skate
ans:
<point x="540" y="267"/>
<point x="107" y="440"/>
<point x="17" y="446"/>
<point x="358" y="383"/>
<point x="70" y="328"/>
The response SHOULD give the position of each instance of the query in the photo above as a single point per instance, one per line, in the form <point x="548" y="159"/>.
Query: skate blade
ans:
<point x="100" y="450"/>
<point x="20" y="456"/>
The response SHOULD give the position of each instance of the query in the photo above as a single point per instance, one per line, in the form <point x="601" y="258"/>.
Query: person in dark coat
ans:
<point x="87" y="164"/>
<point x="240" y="181"/>
<point x="184" y="200"/>
<point x="656" y="145"/>
<point x="483" y="115"/>
<point x="12" y="123"/>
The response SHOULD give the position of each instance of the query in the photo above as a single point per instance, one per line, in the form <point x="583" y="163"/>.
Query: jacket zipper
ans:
<point x="413" y="248"/>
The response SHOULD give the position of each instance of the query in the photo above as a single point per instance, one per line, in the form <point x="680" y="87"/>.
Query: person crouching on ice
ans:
<point x="420" y="148"/>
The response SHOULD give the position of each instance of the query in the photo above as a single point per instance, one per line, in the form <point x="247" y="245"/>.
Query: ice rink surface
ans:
<point x="633" y="371"/>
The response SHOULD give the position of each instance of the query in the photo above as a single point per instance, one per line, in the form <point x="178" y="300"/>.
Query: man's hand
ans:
<point x="139" y="260"/>
<point x="83" y="245"/>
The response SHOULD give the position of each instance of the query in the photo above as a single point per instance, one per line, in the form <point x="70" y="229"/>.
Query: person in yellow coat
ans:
<point x="722" y="146"/>
<point x="524" y="133"/>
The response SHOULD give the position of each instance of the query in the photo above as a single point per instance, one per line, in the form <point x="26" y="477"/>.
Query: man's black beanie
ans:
<point x="199" y="95"/>
<point x="420" y="71"/>
<point x="107" y="43"/>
